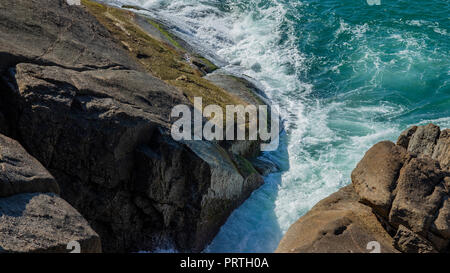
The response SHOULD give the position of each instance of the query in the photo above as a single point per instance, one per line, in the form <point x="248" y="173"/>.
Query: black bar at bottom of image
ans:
<point x="229" y="262"/>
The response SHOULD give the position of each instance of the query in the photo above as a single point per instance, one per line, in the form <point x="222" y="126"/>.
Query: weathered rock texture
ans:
<point x="79" y="97"/>
<point x="337" y="224"/>
<point x="32" y="217"/>
<point x="20" y="172"/>
<point x="403" y="188"/>
<point x="250" y="94"/>
<point x="43" y="222"/>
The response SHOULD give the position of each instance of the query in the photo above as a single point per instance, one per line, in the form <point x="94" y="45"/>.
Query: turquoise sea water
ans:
<point x="346" y="75"/>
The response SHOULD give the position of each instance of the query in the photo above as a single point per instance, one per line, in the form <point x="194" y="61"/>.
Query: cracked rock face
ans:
<point x="33" y="218"/>
<point x="20" y="172"/>
<point x="53" y="32"/>
<point x="82" y="106"/>
<point x="404" y="185"/>
<point x="375" y="176"/>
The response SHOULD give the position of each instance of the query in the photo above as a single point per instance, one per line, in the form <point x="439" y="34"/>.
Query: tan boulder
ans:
<point x="337" y="224"/>
<point x="374" y="178"/>
<point x="419" y="194"/>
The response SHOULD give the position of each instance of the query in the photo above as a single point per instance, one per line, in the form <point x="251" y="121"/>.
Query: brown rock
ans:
<point x="375" y="176"/>
<point x="439" y="243"/>
<point x="338" y="224"/>
<point x="3" y="124"/>
<point x="264" y="167"/>
<point x="409" y="242"/>
<point x="407" y="197"/>
<point x="441" y="226"/>
<point x="84" y="108"/>
<point x="419" y="194"/>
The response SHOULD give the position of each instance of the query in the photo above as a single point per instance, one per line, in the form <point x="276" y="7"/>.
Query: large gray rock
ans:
<point x="53" y="32"/>
<point x="86" y="110"/>
<point x="190" y="195"/>
<point x="89" y="129"/>
<point x="32" y="217"/>
<point x="43" y="222"/>
<point x="20" y="172"/>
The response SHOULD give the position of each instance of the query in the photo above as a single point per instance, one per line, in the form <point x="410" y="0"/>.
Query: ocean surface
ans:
<point x="346" y="74"/>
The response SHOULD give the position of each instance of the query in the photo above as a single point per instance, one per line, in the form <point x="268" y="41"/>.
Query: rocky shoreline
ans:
<point x="87" y="92"/>
<point x="86" y="153"/>
<point x="399" y="199"/>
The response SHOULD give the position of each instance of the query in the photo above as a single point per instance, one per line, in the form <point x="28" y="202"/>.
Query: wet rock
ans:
<point x="264" y="167"/>
<point x="252" y="95"/>
<point x="238" y="86"/>
<point x="53" y="32"/>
